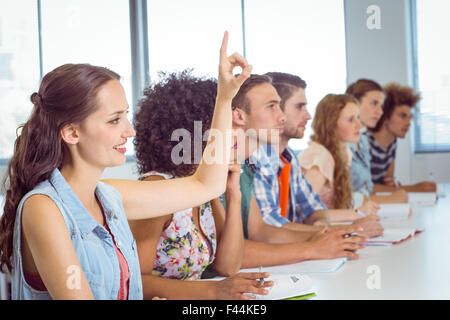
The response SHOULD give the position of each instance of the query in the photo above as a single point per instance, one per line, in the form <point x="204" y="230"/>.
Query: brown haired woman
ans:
<point x="64" y="234"/>
<point x="327" y="159"/>
<point x="370" y="96"/>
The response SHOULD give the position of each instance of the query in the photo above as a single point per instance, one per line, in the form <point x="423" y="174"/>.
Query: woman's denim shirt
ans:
<point x="92" y="242"/>
<point x="361" y="176"/>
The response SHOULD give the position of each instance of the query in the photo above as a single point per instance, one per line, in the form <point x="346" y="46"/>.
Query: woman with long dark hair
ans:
<point x="64" y="234"/>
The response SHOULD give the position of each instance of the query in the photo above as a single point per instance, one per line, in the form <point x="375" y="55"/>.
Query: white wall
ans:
<point x="385" y="55"/>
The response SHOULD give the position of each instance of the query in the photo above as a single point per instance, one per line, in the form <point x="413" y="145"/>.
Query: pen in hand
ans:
<point x="261" y="280"/>
<point x="348" y="235"/>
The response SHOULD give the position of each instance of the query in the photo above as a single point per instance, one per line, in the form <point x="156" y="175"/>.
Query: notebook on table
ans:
<point x="288" y="287"/>
<point x="425" y="199"/>
<point x="393" y="236"/>
<point x="308" y="266"/>
<point x="394" y="210"/>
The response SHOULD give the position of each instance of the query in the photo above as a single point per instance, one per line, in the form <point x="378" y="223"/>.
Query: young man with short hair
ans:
<point x="284" y="196"/>
<point x="257" y="113"/>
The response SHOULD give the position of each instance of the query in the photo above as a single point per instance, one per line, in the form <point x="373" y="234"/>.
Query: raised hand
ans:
<point x="228" y="84"/>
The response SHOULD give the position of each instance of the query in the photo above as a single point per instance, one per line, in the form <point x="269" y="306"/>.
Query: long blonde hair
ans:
<point x="324" y="125"/>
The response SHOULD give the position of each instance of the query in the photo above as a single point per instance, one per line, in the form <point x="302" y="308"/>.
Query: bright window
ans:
<point x="19" y="67"/>
<point x="433" y="66"/>
<point x="187" y="34"/>
<point x="302" y="37"/>
<point x="84" y="31"/>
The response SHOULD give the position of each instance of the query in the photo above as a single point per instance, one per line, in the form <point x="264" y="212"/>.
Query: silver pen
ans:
<point x="261" y="280"/>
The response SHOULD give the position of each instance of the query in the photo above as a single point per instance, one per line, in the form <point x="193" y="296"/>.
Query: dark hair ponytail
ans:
<point x="66" y="95"/>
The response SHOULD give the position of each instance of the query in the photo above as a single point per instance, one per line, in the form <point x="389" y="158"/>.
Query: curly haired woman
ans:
<point x="182" y="245"/>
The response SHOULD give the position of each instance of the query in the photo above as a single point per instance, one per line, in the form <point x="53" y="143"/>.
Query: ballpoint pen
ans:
<point x="261" y="280"/>
<point x="348" y="235"/>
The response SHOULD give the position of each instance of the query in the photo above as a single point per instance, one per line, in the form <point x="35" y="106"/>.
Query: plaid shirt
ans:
<point x="303" y="201"/>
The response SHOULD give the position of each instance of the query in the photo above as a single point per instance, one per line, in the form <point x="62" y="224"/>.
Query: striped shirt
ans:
<point x="381" y="158"/>
<point x="303" y="201"/>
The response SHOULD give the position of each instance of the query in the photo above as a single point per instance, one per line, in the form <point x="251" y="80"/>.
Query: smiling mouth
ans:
<point x="120" y="148"/>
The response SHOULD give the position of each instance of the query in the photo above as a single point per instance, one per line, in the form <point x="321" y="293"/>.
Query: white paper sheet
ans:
<point x="422" y="198"/>
<point x="392" y="236"/>
<point x="309" y="266"/>
<point x="394" y="210"/>
<point x="287" y="286"/>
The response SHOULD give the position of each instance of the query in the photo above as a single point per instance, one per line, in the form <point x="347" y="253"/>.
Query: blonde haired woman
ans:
<point x="326" y="162"/>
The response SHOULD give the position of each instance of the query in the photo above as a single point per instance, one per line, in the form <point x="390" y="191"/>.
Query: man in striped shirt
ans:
<point x="381" y="157"/>
<point x="394" y="124"/>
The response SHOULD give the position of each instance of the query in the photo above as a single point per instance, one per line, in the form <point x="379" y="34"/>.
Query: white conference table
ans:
<point x="418" y="268"/>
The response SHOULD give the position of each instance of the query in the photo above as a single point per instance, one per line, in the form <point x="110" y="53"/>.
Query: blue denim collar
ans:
<point x="84" y="219"/>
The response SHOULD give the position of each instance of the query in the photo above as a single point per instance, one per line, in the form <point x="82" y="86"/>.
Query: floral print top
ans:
<point x="183" y="252"/>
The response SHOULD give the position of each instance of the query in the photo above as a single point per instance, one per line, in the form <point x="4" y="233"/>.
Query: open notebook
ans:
<point x="394" y="210"/>
<point x="308" y="266"/>
<point x="393" y="236"/>
<point x="288" y="286"/>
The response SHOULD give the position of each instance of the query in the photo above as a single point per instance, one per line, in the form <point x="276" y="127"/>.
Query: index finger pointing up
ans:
<point x="224" y="46"/>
